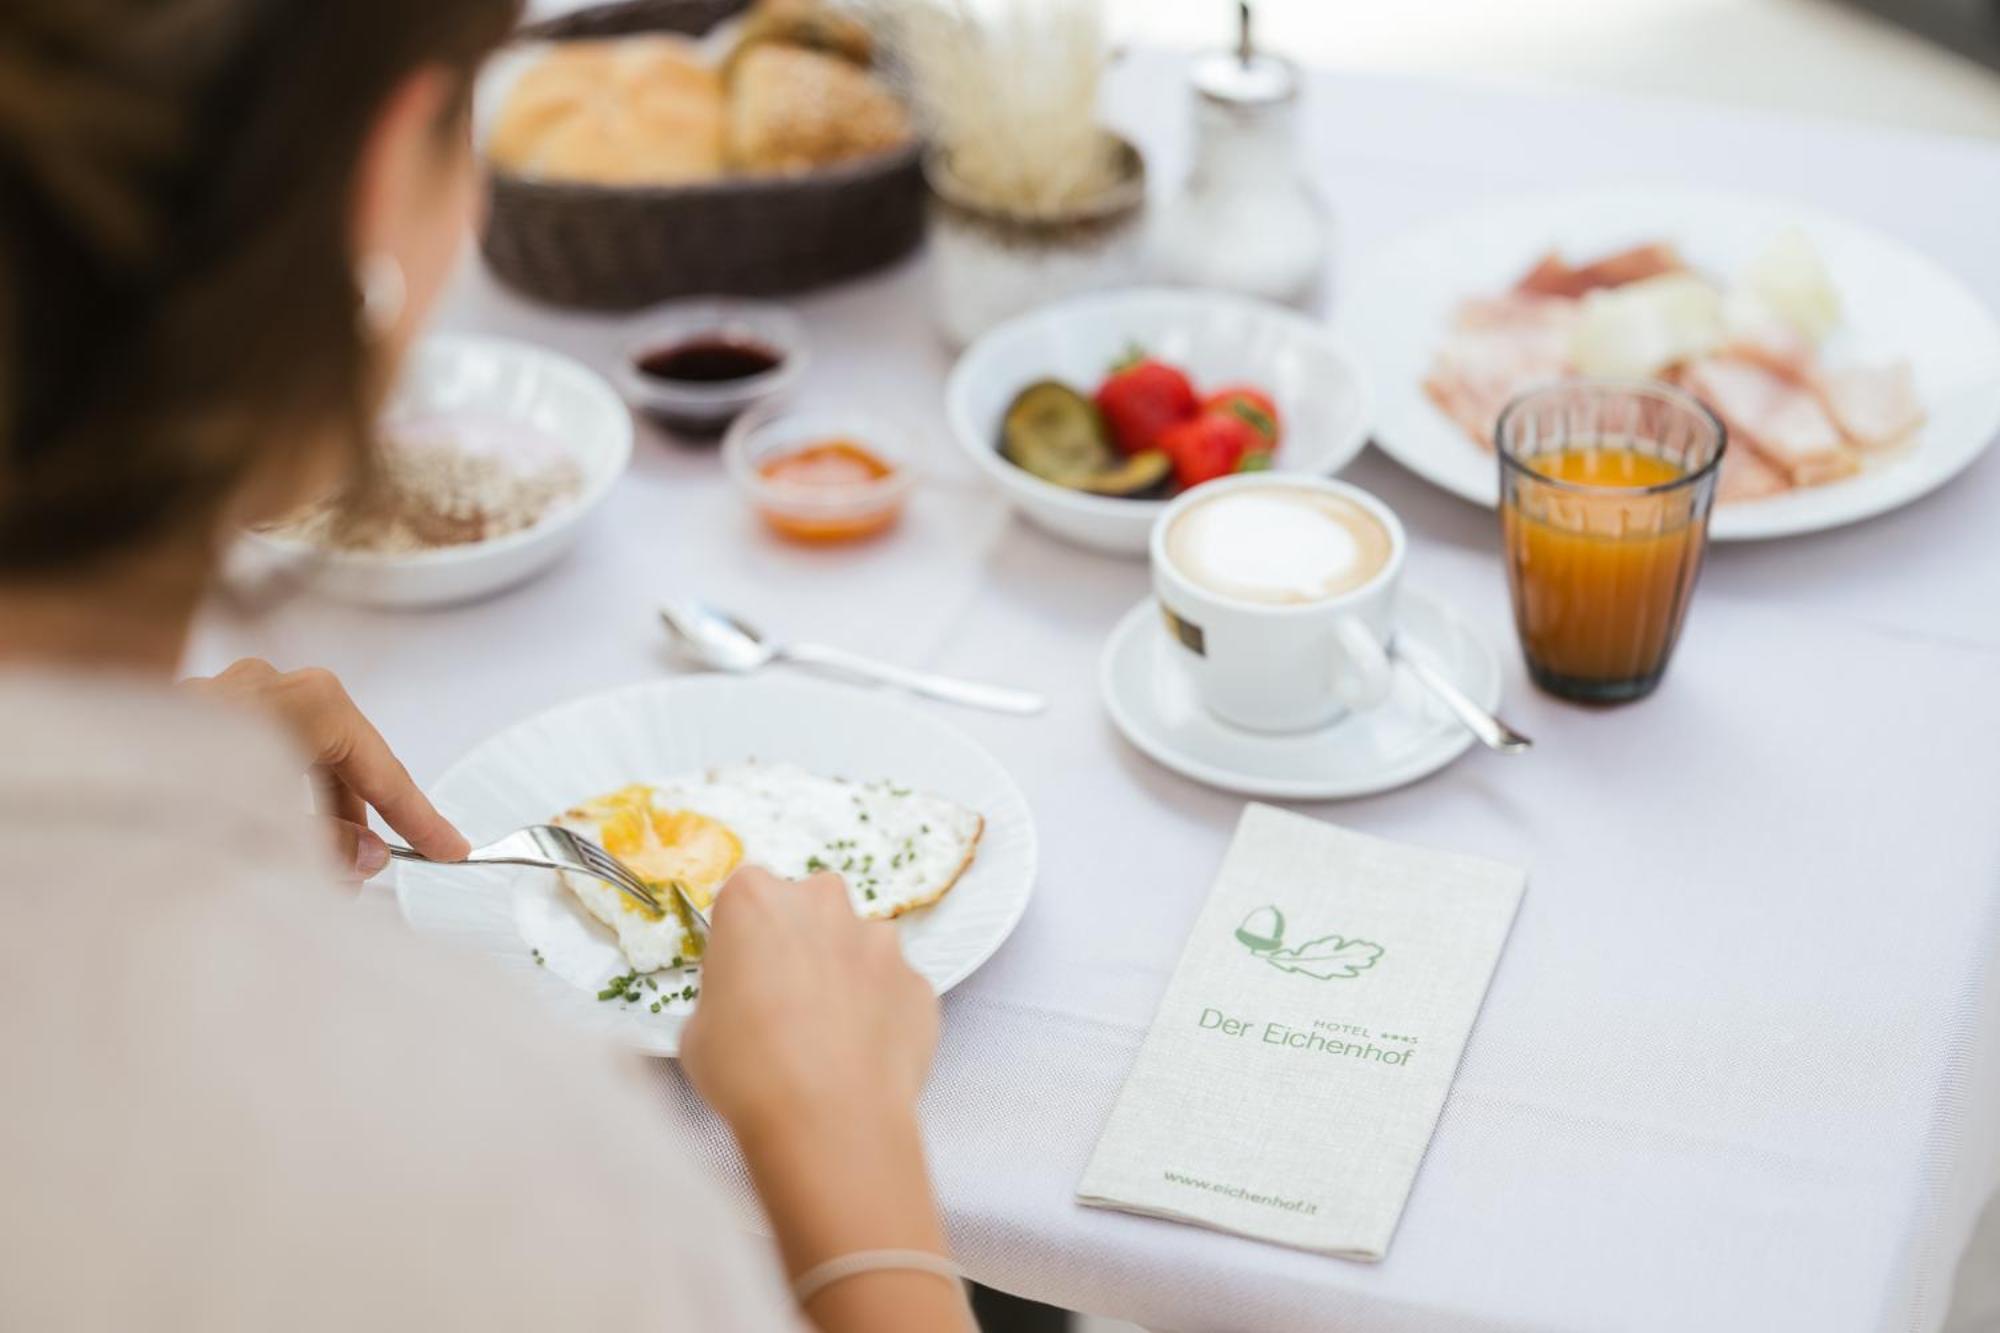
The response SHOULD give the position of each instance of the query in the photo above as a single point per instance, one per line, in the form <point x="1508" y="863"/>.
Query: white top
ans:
<point x="1739" y="1068"/>
<point x="236" y="1102"/>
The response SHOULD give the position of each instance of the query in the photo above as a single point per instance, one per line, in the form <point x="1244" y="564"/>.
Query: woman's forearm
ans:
<point x="836" y="1185"/>
<point x="813" y="1040"/>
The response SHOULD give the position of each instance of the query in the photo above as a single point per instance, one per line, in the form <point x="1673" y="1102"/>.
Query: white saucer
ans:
<point x="1409" y="736"/>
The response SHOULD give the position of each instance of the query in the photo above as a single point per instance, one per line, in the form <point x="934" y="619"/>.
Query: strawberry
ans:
<point x="1252" y="404"/>
<point x="1212" y="445"/>
<point x="1141" y="398"/>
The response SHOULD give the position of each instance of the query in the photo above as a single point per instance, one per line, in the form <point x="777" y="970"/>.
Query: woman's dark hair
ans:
<point x="177" y="298"/>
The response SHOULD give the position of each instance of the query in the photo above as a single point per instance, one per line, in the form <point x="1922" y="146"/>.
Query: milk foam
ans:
<point x="1278" y="545"/>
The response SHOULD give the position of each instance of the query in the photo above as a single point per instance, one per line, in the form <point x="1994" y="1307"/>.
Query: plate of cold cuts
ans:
<point x="1853" y="373"/>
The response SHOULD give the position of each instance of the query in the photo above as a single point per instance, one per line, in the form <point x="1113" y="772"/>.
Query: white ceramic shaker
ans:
<point x="1248" y="219"/>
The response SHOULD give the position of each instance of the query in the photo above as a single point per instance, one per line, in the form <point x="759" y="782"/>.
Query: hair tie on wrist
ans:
<point x="821" y="1276"/>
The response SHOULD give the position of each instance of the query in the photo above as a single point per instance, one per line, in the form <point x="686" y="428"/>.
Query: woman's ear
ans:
<point x="413" y="196"/>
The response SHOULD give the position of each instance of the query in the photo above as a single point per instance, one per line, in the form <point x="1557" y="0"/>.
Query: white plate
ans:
<point x="1896" y="303"/>
<point x="1217" y="339"/>
<point x="537" y="768"/>
<point x="1408" y="736"/>
<point x="490" y="378"/>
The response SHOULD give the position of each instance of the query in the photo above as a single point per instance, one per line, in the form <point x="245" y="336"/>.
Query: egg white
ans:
<point x="897" y="849"/>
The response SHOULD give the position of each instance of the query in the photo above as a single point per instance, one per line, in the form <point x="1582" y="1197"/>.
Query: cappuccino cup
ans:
<point x="1279" y="594"/>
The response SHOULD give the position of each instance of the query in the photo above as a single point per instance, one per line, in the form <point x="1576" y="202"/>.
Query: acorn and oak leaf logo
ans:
<point x="1328" y="958"/>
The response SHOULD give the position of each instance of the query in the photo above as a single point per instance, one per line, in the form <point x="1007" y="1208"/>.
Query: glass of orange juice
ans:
<point x="1605" y="488"/>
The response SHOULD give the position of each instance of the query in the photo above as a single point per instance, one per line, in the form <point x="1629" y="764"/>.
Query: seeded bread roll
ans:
<point x="625" y="111"/>
<point x="792" y="110"/>
<point x="810" y="24"/>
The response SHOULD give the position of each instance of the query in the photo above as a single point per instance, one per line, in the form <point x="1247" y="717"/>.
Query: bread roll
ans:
<point x="625" y="111"/>
<point x="792" y="110"/>
<point x="812" y="24"/>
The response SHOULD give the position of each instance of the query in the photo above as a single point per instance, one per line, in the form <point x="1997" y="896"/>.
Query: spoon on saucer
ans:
<point x="722" y="642"/>
<point x="1492" y="733"/>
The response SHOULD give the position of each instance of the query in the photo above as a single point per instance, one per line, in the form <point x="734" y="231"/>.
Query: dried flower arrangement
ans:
<point x="1006" y="92"/>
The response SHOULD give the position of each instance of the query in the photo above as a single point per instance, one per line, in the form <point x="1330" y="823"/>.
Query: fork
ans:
<point x="553" y="848"/>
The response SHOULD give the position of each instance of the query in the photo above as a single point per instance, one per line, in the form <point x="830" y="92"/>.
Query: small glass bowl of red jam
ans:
<point x="695" y="366"/>
<point x="821" y="476"/>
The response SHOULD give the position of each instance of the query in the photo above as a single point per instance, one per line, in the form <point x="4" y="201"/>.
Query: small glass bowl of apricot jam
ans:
<point x="821" y="476"/>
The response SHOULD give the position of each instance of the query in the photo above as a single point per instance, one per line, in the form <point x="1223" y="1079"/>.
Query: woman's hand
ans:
<point x="812" y="1039"/>
<point x="806" y="1010"/>
<point x="353" y="767"/>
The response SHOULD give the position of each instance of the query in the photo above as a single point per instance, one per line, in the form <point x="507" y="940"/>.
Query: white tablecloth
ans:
<point x="1740" y="1065"/>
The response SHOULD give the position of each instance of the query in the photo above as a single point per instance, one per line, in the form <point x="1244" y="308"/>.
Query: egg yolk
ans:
<point x="661" y="846"/>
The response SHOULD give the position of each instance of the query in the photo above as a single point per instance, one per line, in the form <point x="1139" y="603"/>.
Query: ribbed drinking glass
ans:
<point x="1606" y="488"/>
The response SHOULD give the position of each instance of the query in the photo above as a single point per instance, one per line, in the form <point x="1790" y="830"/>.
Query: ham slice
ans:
<point x="1780" y="420"/>
<point x="1498" y="348"/>
<point x="1746" y="476"/>
<point x="1551" y="276"/>
<point x="1771" y="343"/>
<point x="1875" y="407"/>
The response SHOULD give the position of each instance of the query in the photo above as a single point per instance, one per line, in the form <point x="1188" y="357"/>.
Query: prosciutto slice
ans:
<point x="1552" y="276"/>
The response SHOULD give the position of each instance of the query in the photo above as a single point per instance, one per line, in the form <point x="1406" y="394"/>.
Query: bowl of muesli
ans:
<point x="491" y="455"/>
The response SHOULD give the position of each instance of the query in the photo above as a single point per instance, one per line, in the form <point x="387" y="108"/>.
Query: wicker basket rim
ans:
<point x="578" y="24"/>
<point x="871" y="165"/>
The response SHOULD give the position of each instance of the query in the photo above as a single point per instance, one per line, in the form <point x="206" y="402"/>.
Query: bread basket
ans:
<point x="618" y="246"/>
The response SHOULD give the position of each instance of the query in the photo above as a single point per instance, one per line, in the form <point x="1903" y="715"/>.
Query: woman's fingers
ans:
<point x="348" y="747"/>
<point x="355" y="766"/>
<point x="336" y="800"/>
<point x="805" y="1007"/>
<point x="358" y="849"/>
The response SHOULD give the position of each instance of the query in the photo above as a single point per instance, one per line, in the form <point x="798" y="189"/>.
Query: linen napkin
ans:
<point x="1296" y="1066"/>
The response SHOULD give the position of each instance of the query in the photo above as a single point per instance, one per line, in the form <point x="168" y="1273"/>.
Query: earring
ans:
<point x="379" y="279"/>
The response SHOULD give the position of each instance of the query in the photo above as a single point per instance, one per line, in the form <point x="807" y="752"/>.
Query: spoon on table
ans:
<point x="1492" y="733"/>
<point x="720" y="641"/>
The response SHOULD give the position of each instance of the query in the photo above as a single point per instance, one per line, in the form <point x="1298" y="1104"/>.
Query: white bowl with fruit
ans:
<point x="1091" y="414"/>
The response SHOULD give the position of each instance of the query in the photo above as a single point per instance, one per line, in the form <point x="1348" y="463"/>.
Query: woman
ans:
<point x="232" y="1102"/>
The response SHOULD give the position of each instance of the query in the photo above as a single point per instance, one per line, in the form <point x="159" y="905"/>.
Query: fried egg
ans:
<point x="898" y="849"/>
